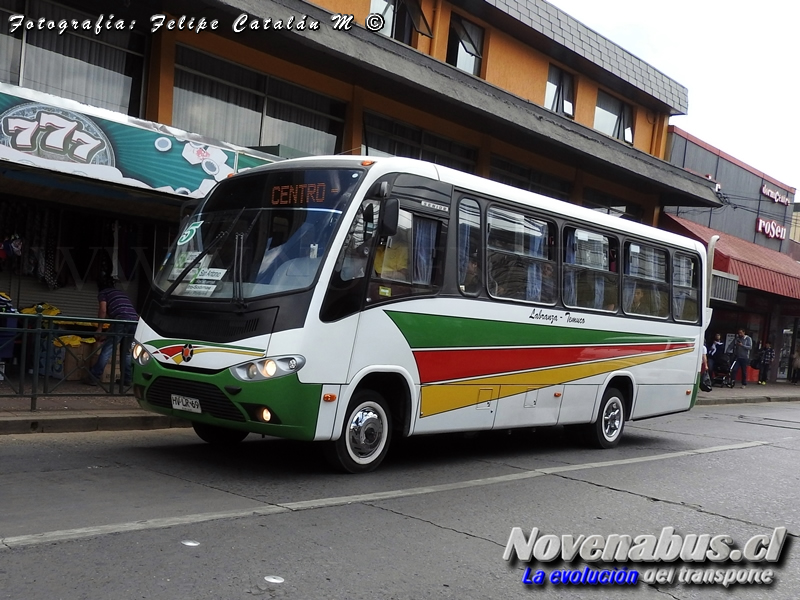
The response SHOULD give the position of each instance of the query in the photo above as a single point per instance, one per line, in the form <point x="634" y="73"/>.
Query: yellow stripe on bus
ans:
<point x="440" y="398"/>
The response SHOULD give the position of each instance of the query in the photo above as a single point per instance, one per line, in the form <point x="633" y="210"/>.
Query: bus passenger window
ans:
<point x="646" y="289"/>
<point x="685" y="288"/>
<point x="521" y="257"/>
<point x="590" y="278"/>
<point x="469" y="244"/>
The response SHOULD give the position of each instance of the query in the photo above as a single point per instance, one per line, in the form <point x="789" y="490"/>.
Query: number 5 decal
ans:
<point x="189" y="232"/>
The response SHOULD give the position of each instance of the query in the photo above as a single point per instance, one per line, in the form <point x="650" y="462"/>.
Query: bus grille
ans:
<point x="212" y="400"/>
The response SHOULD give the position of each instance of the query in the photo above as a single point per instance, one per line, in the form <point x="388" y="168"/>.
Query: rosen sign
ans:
<point x="771" y="229"/>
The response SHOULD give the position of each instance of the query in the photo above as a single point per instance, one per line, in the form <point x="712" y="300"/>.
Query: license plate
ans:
<point x="186" y="403"/>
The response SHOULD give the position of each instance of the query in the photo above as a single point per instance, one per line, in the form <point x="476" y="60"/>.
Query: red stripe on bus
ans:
<point x="446" y="365"/>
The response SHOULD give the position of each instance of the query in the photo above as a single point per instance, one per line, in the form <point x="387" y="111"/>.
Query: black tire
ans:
<point x="218" y="436"/>
<point x="606" y="431"/>
<point x="366" y="434"/>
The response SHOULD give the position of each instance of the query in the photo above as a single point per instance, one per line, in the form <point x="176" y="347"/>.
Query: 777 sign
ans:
<point x="54" y="133"/>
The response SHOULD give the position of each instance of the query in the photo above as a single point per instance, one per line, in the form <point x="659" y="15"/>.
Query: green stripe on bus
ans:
<point x="166" y="343"/>
<point x="436" y="331"/>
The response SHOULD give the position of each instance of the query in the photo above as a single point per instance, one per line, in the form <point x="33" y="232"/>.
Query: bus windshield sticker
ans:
<point x="200" y="290"/>
<point x="204" y="274"/>
<point x="189" y="232"/>
<point x="184" y="258"/>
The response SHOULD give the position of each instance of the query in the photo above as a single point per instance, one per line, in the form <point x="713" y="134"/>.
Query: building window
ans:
<point x="523" y="177"/>
<point x="611" y="205"/>
<point x="401" y="18"/>
<point x="465" y="45"/>
<point x="227" y="102"/>
<point x="386" y="137"/>
<point x="104" y="70"/>
<point x="559" y="96"/>
<point x="10" y="43"/>
<point x="613" y="117"/>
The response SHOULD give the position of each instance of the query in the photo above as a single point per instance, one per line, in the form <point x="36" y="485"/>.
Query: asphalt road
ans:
<point x="159" y="514"/>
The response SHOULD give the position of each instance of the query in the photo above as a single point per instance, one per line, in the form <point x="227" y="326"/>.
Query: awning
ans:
<point x="757" y="267"/>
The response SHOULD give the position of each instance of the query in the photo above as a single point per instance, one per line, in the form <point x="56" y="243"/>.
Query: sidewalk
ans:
<point x="84" y="412"/>
<point x="83" y="409"/>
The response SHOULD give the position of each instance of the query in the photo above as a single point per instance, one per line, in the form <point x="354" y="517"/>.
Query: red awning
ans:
<point x="757" y="267"/>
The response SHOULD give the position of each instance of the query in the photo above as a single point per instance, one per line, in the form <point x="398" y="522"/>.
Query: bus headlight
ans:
<point x="140" y="355"/>
<point x="252" y="371"/>
<point x="268" y="368"/>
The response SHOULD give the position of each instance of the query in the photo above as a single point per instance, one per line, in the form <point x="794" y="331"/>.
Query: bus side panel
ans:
<point x="655" y="400"/>
<point x="578" y="404"/>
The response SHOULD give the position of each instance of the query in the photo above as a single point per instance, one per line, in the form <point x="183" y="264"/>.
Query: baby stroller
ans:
<point x="723" y="371"/>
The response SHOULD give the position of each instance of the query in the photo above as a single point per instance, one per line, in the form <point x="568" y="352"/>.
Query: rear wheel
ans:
<point x="366" y="433"/>
<point x="607" y="430"/>
<point x="218" y="436"/>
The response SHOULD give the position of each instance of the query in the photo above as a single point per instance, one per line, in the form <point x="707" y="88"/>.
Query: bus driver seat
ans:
<point x="296" y="273"/>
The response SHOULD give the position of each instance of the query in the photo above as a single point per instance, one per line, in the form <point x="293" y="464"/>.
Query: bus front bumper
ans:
<point x="292" y="407"/>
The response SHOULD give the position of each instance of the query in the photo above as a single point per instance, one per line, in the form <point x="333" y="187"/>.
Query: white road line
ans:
<point x="86" y="532"/>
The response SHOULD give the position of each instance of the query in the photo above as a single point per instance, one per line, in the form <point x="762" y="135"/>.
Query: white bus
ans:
<point x="350" y="300"/>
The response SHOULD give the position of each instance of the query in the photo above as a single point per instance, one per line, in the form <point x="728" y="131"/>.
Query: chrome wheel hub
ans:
<point x="612" y="419"/>
<point x="365" y="433"/>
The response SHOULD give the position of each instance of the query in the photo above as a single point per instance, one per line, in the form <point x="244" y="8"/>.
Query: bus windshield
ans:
<point x="259" y="234"/>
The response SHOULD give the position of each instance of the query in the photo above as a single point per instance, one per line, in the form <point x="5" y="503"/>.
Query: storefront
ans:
<point x="755" y="288"/>
<point x="85" y="191"/>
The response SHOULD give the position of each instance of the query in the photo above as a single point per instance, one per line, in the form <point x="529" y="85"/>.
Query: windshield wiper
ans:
<point x="221" y="237"/>
<point x="238" y="285"/>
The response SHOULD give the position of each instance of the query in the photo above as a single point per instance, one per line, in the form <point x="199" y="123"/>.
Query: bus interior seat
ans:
<point x="295" y="273"/>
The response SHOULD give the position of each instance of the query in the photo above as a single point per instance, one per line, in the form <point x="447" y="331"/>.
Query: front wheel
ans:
<point x="366" y="433"/>
<point x="607" y="430"/>
<point x="218" y="436"/>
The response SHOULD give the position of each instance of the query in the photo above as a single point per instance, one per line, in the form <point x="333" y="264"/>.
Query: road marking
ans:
<point x="86" y="532"/>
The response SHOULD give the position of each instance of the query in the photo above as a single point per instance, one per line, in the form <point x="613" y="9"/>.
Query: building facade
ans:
<point x="112" y="121"/>
<point x="756" y="281"/>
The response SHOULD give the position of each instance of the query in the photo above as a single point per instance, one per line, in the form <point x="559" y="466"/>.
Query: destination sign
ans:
<point x="300" y="194"/>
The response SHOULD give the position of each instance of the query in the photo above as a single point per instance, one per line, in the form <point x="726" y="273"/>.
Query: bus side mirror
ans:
<point x="390" y="215"/>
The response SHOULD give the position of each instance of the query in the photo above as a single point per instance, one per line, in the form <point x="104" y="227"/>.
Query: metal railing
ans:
<point x="35" y="364"/>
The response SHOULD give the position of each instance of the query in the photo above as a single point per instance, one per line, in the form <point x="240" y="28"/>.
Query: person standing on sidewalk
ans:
<point x="715" y="351"/>
<point x="795" y="365"/>
<point x="742" y="345"/>
<point x="767" y="356"/>
<point x="114" y="304"/>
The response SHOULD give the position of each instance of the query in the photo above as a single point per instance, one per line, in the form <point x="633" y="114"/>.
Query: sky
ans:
<point x="740" y="62"/>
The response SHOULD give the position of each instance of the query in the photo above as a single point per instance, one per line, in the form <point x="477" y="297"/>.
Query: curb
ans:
<point x="749" y="400"/>
<point x="84" y="422"/>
